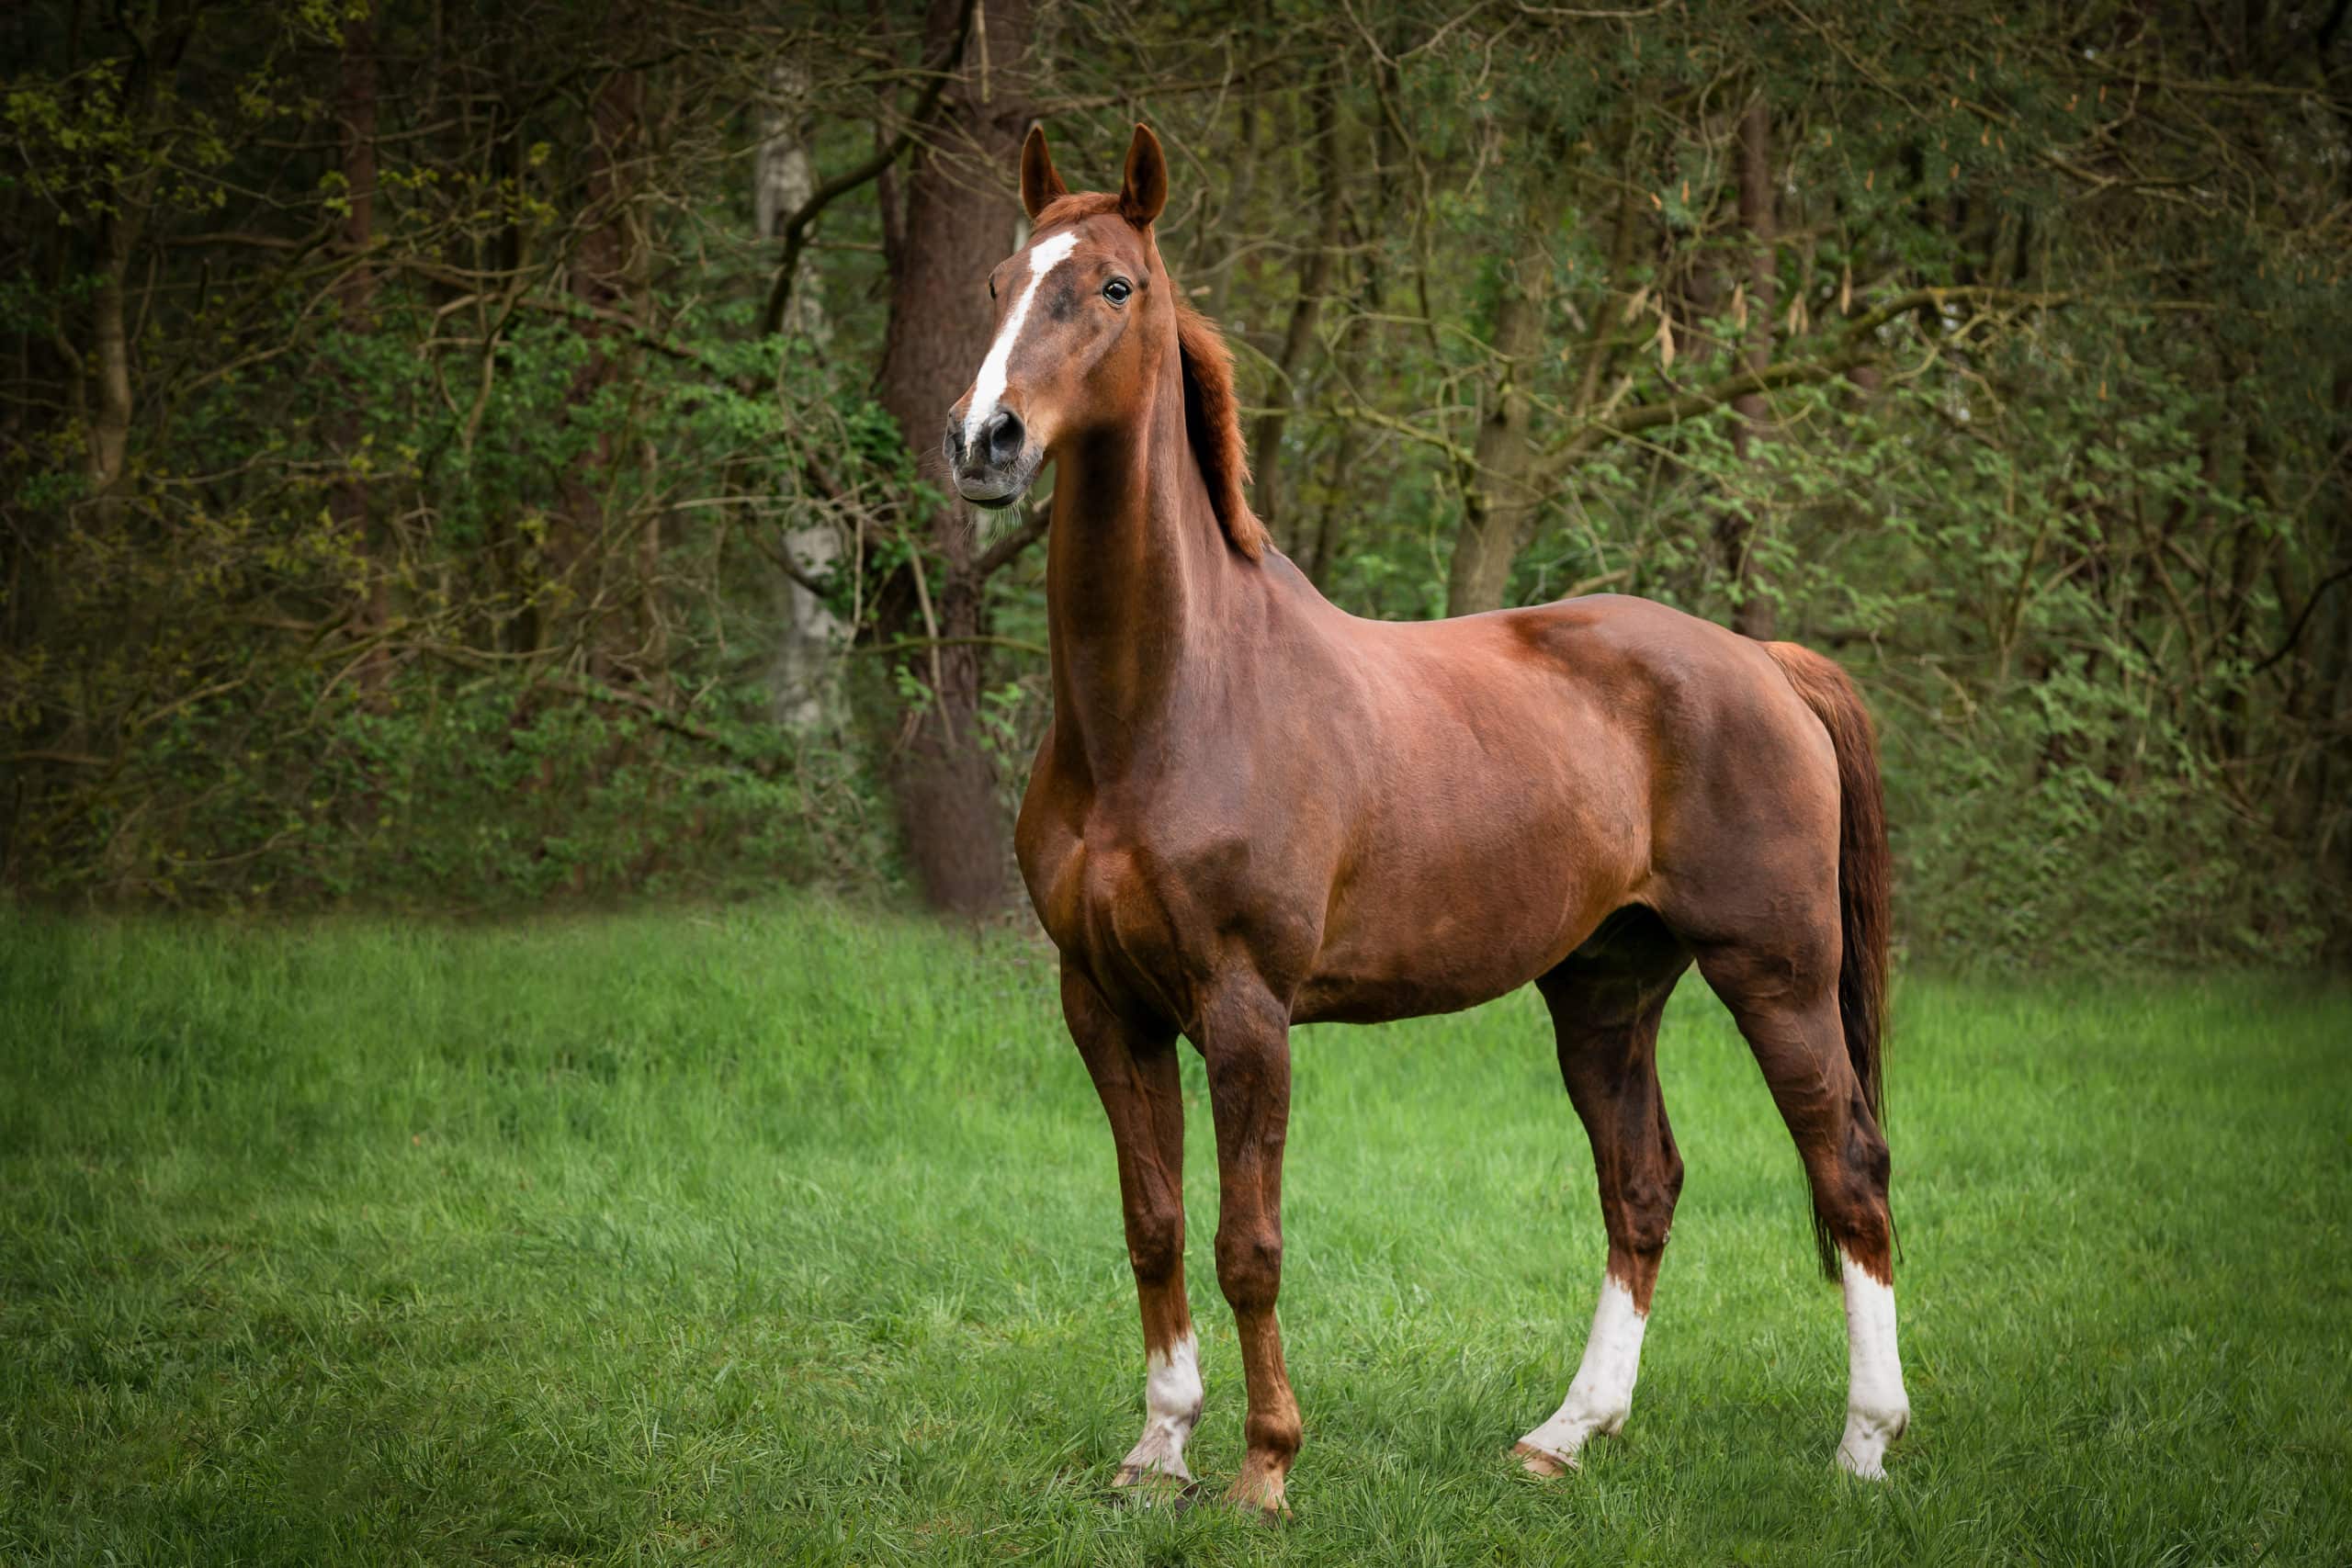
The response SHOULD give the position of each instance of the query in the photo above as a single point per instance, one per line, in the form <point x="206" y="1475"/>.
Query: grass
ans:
<point x="792" y="1235"/>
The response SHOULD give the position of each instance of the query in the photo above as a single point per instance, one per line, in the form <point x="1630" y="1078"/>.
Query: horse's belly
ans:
<point x="1368" y="995"/>
<point x="1439" y="938"/>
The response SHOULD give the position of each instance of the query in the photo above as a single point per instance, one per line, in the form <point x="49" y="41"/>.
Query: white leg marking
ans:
<point x="1876" y="1408"/>
<point x="988" y="385"/>
<point x="1603" y="1390"/>
<point x="1172" y="1403"/>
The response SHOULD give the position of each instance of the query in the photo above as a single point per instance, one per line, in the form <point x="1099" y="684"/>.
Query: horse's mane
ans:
<point x="1213" y="419"/>
<point x="1212" y="413"/>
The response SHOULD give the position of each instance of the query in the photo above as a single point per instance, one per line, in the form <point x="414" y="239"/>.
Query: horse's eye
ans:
<point x="991" y="287"/>
<point x="1117" y="290"/>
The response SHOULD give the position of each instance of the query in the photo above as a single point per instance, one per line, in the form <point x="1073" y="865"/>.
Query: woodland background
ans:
<point x="469" y="456"/>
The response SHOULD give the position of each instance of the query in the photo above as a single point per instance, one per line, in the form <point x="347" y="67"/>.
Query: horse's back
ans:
<point x="1626" y="753"/>
<point x="1701" y="691"/>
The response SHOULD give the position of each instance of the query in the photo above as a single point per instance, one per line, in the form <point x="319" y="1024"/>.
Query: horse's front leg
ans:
<point x="1134" y="1068"/>
<point x="1244" y="1035"/>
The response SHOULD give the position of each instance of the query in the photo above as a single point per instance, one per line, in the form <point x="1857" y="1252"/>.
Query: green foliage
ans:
<point x="486" y="798"/>
<point x="2054" y="727"/>
<point x="218" y="744"/>
<point x="475" y="555"/>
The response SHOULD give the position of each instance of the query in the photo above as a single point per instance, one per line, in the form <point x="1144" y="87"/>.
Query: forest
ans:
<point x="466" y="458"/>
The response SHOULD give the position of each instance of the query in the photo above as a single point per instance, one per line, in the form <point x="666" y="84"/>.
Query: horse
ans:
<point x="1253" y="809"/>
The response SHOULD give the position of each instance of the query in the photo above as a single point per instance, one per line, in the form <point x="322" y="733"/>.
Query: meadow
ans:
<point x="790" y="1235"/>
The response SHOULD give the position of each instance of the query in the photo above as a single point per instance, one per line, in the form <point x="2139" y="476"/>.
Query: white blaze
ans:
<point x="1603" y="1390"/>
<point x="989" y="386"/>
<point x="1876" y="1408"/>
<point x="1172" y="1403"/>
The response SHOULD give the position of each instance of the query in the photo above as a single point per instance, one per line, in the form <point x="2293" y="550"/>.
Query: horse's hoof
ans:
<point x="1536" y="1462"/>
<point x="1252" y="1509"/>
<point x="1862" y="1452"/>
<point x="1259" y="1497"/>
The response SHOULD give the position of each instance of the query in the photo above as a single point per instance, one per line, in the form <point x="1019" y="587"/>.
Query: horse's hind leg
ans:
<point x="1782" y="992"/>
<point x="1605" y="1002"/>
<point x="1133" y="1070"/>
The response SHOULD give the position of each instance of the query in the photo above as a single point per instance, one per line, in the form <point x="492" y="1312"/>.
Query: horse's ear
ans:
<point x="1146" y="190"/>
<point x="1039" y="184"/>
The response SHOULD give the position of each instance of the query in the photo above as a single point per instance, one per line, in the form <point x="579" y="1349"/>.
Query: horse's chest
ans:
<point x="1104" y="895"/>
<point x="1136" y="912"/>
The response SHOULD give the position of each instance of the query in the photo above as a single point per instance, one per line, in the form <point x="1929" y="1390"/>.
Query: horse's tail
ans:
<point x="1865" y="876"/>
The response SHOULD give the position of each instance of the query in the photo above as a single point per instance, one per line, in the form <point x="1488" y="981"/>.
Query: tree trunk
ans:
<point x="110" y="344"/>
<point x="1314" y="282"/>
<point x="802" y="682"/>
<point x="108" y="453"/>
<point x="1736" y="532"/>
<point x="355" y="299"/>
<point x="1616" y="288"/>
<point x="784" y="177"/>
<point x="1500" y="503"/>
<point x="608" y="266"/>
<point x="959" y="220"/>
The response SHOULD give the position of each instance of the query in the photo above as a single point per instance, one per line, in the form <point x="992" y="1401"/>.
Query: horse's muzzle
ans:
<point x="994" y="469"/>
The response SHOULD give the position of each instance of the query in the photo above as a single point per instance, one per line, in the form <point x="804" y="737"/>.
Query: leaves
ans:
<point x="2078" y="554"/>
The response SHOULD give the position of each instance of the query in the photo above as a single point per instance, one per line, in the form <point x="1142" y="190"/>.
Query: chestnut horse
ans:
<point x="1253" y="810"/>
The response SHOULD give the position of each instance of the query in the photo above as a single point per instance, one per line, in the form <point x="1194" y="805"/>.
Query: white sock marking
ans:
<point x="1602" y="1392"/>
<point x="1876" y="1408"/>
<point x="988" y="385"/>
<point x="1172" y="1403"/>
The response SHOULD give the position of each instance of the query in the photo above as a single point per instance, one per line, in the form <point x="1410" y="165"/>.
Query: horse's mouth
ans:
<point x="995" y="490"/>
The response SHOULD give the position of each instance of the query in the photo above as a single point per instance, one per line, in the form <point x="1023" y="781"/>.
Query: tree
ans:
<point x="1736" y="533"/>
<point x="602" y="579"/>
<point x="419" y="427"/>
<point x="1502" y="488"/>
<point x="957" y="218"/>
<point x="356" y="304"/>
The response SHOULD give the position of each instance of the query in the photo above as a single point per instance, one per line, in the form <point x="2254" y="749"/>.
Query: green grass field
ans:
<point x="792" y="1236"/>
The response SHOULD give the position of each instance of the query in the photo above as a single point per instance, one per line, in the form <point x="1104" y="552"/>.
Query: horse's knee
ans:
<point x="1848" y="1166"/>
<point x="1249" y="1265"/>
<point x="1857" y="1206"/>
<point x="1643" y="1213"/>
<point x="1867" y="1158"/>
<point x="1156" y="1241"/>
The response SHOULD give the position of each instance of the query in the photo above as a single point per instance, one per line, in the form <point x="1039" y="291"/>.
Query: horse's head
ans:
<point x="1081" y="314"/>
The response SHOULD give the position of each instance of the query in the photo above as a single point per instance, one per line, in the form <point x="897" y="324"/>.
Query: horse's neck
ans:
<point x="1140" y="585"/>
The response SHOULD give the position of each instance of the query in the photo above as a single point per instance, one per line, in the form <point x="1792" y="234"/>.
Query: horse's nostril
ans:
<point x="1003" y="437"/>
<point x="952" y="443"/>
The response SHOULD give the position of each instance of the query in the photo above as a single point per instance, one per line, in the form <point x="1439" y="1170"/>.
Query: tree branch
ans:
<point x="1007" y="549"/>
<point x="1857" y="347"/>
<point x="913" y="644"/>
<point x="792" y="568"/>
<point x="794" y="232"/>
<point x="596" y="692"/>
<point x="2295" y="633"/>
<point x="577" y="310"/>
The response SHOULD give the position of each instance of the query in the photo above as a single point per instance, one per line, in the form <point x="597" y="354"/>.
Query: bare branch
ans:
<point x="1007" y="549"/>
<point x="795" y="232"/>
